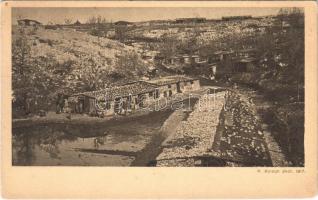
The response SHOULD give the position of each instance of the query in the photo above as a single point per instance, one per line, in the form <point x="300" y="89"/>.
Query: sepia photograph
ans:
<point x="158" y="99"/>
<point x="158" y="86"/>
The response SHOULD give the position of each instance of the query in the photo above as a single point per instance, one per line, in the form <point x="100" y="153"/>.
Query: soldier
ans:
<point x="59" y="103"/>
<point x="28" y="105"/>
<point x="67" y="109"/>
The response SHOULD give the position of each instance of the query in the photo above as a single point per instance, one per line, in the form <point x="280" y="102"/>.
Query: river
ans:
<point x="130" y="141"/>
<point x="108" y="144"/>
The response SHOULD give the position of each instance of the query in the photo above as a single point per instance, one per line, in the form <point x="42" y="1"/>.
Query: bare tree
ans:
<point x="120" y="32"/>
<point x="67" y="21"/>
<point x="92" y="20"/>
<point x="50" y="23"/>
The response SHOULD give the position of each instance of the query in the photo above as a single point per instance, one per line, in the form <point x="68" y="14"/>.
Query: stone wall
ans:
<point x="193" y="136"/>
<point x="241" y="138"/>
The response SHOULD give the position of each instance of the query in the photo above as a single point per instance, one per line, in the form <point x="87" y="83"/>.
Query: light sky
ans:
<point x="58" y="15"/>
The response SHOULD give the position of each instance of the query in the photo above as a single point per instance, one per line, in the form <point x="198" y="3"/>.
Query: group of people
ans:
<point x="62" y="105"/>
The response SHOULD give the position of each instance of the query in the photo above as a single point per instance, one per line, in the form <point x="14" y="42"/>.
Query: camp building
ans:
<point x="28" y="22"/>
<point x="131" y="96"/>
<point x="171" y="85"/>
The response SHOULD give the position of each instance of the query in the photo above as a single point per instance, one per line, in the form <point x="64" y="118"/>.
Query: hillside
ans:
<point x="68" y="45"/>
<point x="47" y="62"/>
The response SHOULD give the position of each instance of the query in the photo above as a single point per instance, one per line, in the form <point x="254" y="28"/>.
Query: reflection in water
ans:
<point x="45" y="139"/>
<point x="99" y="141"/>
<point x="78" y="145"/>
<point x="52" y="149"/>
<point x="23" y="150"/>
<point x="46" y="146"/>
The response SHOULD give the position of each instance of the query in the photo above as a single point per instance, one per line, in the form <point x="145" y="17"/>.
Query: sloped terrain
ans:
<point x="69" y="45"/>
<point x="46" y="62"/>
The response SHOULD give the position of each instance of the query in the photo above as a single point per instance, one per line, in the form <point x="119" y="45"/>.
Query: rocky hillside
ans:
<point x="46" y="62"/>
<point x="69" y="45"/>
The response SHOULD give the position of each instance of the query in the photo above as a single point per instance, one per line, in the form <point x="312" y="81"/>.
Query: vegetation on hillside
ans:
<point x="48" y="62"/>
<point x="279" y="73"/>
<point x="280" y="76"/>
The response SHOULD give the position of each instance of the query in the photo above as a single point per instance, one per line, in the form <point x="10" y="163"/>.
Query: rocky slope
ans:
<point x="64" y="45"/>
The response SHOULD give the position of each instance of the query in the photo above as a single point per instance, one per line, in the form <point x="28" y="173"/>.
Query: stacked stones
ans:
<point x="194" y="136"/>
<point x="242" y="140"/>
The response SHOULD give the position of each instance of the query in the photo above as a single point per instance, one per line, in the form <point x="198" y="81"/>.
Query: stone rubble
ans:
<point x="242" y="139"/>
<point x="193" y="137"/>
<point x="224" y="132"/>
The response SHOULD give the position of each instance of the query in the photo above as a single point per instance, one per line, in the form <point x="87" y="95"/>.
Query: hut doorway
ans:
<point x="178" y="88"/>
<point x="117" y="105"/>
<point x="81" y="105"/>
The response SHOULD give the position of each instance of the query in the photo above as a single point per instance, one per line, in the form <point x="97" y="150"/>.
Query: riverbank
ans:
<point x="126" y="141"/>
<point x="51" y="117"/>
<point x="218" y="129"/>
<point x="84" y="119"/>
<point x="147" y="157"/>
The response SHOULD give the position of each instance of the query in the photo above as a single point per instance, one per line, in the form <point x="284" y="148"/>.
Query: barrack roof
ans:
<point x="133" y="88"/>
<point x="29" y="20"/>
<point x="169" y="80"/>
<point x="247" y="60"/>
